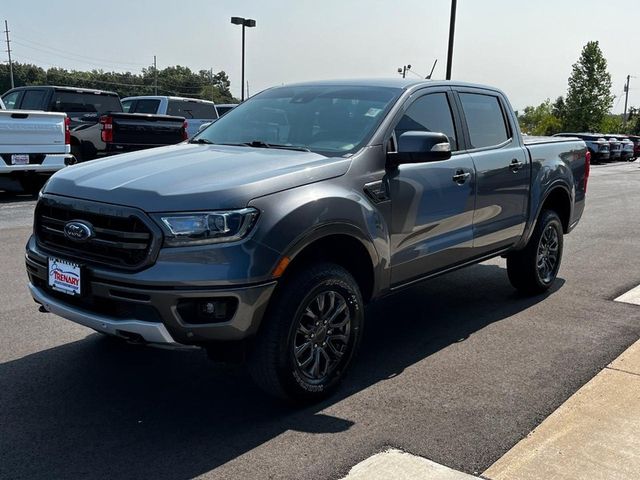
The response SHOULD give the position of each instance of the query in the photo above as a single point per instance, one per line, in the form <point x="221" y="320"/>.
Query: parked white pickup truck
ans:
<point x="33" y="146"/>
<point x="195" y="111"/>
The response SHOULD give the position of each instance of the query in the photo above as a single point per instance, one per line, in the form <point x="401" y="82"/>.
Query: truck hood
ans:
<point x="193" y="177"/>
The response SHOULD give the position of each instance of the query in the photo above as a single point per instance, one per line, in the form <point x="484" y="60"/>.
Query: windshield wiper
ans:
<point x="202" y="141"/>
<point x="261" y="144"/>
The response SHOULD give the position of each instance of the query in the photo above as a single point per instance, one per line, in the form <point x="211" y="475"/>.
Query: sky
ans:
<point x="524" y="47"/>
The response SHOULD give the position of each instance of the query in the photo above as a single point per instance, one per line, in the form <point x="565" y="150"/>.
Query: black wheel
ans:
<point x="309" y="335"/>
<point x="76" y="151"/>
<point x="534" y="269"/>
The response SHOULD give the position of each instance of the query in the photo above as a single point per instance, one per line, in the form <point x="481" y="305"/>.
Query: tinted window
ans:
<point x="225" y="109"/>
<point x="10" y="100"/>
<point x="33" y="100"/>
<point x="430" y="113"/>
<point x="187" y="109"/>
<point x="485" y="120"/>
<point x="69" y="102"/>
<point x="331" y="120"/>
<point x="147" y="105"/>
<point x="126" y="105"/>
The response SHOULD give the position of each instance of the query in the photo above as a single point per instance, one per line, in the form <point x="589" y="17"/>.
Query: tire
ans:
<point x="533" y="269"/>
<point x="76" y="151"/>
<point x="297" y="355"/>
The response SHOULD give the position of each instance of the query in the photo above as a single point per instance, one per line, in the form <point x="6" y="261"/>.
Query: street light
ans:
<point x="245" y="22"/>
<point x="452" y="29"/>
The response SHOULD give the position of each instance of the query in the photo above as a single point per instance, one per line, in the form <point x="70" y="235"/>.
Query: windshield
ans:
<point x="330" y="120"/>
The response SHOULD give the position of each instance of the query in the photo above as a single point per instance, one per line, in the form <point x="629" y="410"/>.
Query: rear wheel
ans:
<point x="310" y="334"/>
<point x="534" y="269"/>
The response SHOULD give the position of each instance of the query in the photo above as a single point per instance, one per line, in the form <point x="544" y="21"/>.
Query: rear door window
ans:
<point x="191" y="109"/>
<point x="33" y="100"/>
<point x="485" y="120"/>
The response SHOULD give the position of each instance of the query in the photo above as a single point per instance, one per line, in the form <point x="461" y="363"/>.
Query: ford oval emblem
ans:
<point x="78" y="231"/>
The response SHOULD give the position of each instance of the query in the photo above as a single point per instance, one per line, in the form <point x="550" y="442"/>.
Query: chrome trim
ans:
<point x="150" y="332"/>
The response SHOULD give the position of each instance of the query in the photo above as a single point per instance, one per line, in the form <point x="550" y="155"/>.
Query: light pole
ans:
<point x="452" y="29"/>
<point x="245" y="22"/>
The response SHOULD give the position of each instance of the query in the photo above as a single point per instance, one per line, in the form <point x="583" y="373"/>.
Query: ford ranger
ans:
<point x="264" y="236"/>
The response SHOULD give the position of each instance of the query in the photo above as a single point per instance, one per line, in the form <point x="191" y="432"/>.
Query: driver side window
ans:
<point x="429" y="113"/>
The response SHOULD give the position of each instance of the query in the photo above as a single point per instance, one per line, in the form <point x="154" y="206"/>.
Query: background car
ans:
<point x="627" y="147"/>
<point x="636" y="145"/>
<point x="196" y="111"/>
<point x="225" y="107"/>
<point x="615" y="147"/>
<point x="596" y="143"/>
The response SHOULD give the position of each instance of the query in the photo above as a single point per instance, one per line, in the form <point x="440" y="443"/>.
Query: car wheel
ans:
<point x="310" y="334"/>
<point x="533" y="269"/>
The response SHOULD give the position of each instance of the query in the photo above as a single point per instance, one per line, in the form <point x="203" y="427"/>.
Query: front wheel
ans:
<point x="533" y="269"/>
<point x="310" y="334"/>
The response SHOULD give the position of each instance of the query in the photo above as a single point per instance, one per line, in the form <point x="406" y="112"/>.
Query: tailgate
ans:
<point x="148" y="130"/>
<point x="26" y="131"/>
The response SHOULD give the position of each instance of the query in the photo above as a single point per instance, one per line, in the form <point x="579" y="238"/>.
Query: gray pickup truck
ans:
<point x="264" y="236"/>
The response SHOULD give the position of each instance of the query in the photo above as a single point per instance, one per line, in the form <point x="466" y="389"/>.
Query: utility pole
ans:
<point x="212" y="89"/>
<point x="155" y="73"/>
<point x="6" y="31"/>
<point x="452" y="29"/>
<point x="626" y="99"/>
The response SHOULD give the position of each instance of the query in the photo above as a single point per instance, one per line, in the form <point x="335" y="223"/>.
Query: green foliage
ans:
<point x="540" y="120"/>
<point x="176" y="80"/>
<point x="612" y="124"/>
<point x="633" y="121"/>
<point x="589" y="96"/>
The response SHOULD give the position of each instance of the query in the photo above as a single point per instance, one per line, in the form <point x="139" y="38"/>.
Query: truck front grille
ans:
<point x="121" y="238"/>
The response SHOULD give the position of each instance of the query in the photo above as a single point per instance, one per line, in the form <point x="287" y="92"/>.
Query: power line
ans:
<point x="67" y="52"/>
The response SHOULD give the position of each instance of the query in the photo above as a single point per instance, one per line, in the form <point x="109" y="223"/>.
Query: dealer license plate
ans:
<point x="64" y="276"/>
<point x="19" y="159"/>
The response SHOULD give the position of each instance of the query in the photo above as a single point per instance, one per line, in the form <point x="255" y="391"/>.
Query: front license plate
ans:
<point x="64" y="276"/>
<point x="19" y="159"/>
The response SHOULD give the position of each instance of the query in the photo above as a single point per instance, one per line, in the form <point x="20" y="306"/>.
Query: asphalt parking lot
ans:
<point x="457" y="370"/>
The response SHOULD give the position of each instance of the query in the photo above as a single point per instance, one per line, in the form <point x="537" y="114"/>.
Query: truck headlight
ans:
<point x="200" y="228"/>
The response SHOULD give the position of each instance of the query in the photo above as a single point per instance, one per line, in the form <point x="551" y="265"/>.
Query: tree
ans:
<point x="589" y="96"/>
<point x="177" y="80"/>
<point x="540" y="120"/>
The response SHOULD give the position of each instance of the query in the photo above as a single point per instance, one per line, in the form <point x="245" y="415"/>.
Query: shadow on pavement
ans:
<point x="97" y="408"/>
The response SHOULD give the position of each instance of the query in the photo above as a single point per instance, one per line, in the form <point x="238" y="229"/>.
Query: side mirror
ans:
<point x="418" y="147"/>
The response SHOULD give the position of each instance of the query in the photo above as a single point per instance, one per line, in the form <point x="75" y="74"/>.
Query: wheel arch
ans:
<point x="343" y="244"/>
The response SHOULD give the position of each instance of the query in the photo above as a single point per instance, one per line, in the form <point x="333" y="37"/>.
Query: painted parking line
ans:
<point x="632" y="296"/>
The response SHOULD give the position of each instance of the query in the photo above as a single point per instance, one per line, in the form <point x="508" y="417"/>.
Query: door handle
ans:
<point x="460" y="177"/>
<point x="515" y="165"/>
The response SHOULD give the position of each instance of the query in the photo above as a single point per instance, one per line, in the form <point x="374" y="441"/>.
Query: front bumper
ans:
<point x="148" y="312"/>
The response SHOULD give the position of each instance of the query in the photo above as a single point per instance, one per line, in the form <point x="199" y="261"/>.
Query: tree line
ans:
<point x="176" y="81"/>
<point x="587" y="105"/>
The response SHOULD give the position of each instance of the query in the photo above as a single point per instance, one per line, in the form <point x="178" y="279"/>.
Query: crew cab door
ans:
<point x="432" y="203"/>
<point x="503" y="169"/>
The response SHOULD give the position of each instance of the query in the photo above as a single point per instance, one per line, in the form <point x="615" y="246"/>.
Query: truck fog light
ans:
<point x="200" y="311"/>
